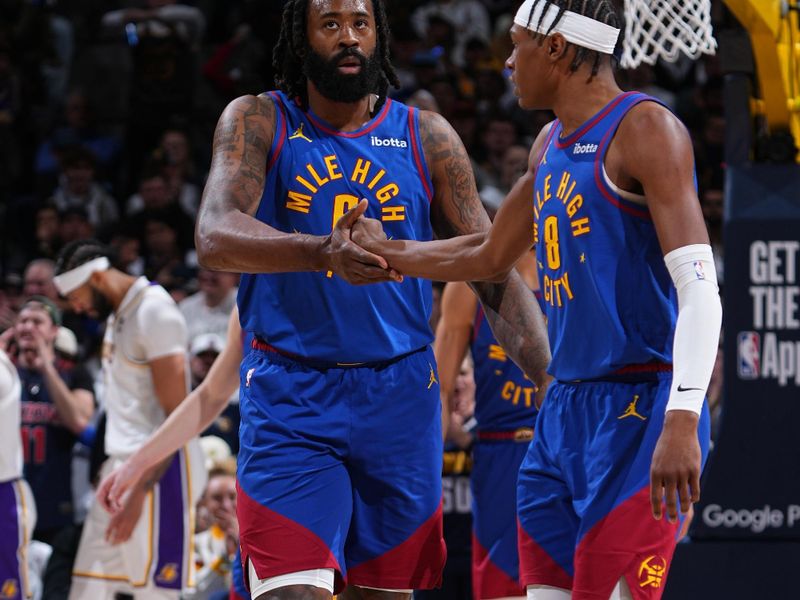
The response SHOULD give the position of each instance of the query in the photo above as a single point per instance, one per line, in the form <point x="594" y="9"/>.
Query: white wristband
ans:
<point x="697" y="330"/>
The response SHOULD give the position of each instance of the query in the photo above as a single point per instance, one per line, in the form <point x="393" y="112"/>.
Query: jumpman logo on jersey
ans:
<point x="433" y="377"/>
<point x="631" y="410"/>
<point x="299" y="134"/>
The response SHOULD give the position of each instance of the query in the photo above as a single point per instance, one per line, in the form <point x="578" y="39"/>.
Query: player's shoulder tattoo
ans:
<point x="457" y="208"/>
<point x="242" y="143"/>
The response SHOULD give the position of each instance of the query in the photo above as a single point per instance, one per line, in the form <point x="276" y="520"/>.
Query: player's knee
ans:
<point x="547" y="592"/>
<point x="314" y="584"/>
<point x="296" y="592"/>
<point x="621" y="591"/>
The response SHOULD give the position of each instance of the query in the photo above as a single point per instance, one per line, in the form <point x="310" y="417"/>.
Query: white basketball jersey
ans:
<point x="10" y="438"/>
<point x="146" y="326"/>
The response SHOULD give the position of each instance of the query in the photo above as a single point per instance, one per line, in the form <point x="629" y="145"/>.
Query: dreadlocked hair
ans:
<point x="292" y="47"/>
<point x="599" y="10"/>
<point x="80" y="252"/>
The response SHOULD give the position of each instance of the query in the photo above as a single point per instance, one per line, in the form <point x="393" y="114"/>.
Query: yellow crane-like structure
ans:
<point x="775" y="38"/>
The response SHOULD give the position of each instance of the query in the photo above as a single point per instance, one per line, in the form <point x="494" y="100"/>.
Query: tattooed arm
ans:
<point x="228" y="236"/>
<point x="492" y="250"/>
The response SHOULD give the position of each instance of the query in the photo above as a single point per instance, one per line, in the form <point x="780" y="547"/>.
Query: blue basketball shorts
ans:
<point x="583" y="492"/>
<point x="340" y="467"/>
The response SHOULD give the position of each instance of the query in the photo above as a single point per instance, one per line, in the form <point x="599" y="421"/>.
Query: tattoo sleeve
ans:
<point x="511" y="308"/>
<point x="227" y="236"/>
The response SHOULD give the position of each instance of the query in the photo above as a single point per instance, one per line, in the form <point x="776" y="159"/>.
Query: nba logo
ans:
<point x="749" y="351"/>
<point x="698" y="270"/>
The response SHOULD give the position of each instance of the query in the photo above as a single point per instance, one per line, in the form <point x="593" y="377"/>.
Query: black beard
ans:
<point x="100" y="305"/>
<point x="335" y="86"/>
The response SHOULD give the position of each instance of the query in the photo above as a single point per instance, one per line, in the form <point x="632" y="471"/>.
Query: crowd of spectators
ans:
<point x="107" y="110"/>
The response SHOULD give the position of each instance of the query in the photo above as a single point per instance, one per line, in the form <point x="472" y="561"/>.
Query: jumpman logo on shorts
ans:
<point x="299" y="134"/>
<point x="631" y="410"/>
<point x="433" y="376"/>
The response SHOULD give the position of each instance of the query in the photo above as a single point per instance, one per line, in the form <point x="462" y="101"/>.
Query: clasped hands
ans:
<point x="349" y="246"/>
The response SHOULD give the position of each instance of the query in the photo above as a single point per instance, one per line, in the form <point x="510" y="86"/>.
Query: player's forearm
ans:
<point x="188" y="420"/>
<point x="517" y="323"/>
<point x="239" y="243"/>
<point x="461" y="258"/>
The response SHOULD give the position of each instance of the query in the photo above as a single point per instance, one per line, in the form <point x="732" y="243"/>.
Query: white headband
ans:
<point x="577" y="29"/>
<point x="69" y="281"/>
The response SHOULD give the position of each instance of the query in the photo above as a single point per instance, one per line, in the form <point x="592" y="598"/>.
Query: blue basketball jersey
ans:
<point x="315" y="174"/>
<point x="504" y="396"/>
<point x="47" y="446"/>
<point x="609" y="299"/>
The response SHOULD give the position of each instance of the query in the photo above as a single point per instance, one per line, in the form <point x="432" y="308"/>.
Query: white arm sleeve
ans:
<point x="697" y="330"/>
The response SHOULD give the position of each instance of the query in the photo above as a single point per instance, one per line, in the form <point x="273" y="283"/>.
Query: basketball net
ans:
<point x="666" y="29"/>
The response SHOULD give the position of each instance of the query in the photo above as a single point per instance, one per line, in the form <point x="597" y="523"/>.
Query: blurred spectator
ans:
<point x="203" y="351"/>
<point x="10" y="104"/>
<point x="461" y="423"/>
<point x="8" y="314"/>
<point x="173" y="161"/>
<point x="712" y="202"/>
<point x="78" y="189"/>
<point x="215" y="548"/>
<point x="166" y="234"/>
<point x="237" y="66"/>
<point x="77" y="129"/>
<point x="38" y="279"/>
<point x="714" y="393"/>
<point x="711" y="156"/>
<point x="405" y="45"/>
<point x="153" y="193"/>
<point x="165" y="260"/>
<point x="423" y="100"/>
<point x="492" y="93"/>
<point x="57" y="406"/>
<point x="515" y="163"/>
<point x="445" y="91"/>
<point x="128" y="250"/>
<point x="498" y="134"/>
<point x="47" y="238"/>
<point x="209" y="309"/>
<point x="74" y="224"/>
<point x="643" y="79"/>
<point x="464" y="120"/>
<point x="163" y="36"/>
<point x="66" y="347"/>
<point x="469" y="19"/>
<point x="159" y="16"/>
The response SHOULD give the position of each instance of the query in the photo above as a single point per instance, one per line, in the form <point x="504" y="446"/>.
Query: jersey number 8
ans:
<point x="551" y="242"/>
